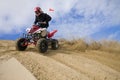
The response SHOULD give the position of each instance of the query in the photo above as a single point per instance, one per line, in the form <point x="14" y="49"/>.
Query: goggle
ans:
<point x="37" y="12"/>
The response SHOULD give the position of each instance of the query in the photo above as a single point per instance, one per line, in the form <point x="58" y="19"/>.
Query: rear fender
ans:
<point x="51" y="34"/>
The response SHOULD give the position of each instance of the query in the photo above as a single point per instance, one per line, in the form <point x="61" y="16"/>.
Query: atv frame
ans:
<point x="40" y="42"/>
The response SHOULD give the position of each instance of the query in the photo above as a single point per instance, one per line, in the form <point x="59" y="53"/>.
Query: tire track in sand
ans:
<point x="45" y="68"/>
<point x="91" y="68"/>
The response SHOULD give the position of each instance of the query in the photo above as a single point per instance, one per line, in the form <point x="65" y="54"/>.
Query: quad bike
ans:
<point x="39" y="37"/>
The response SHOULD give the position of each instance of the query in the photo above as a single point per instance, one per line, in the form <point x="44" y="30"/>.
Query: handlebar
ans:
<point x="41" y="22"/>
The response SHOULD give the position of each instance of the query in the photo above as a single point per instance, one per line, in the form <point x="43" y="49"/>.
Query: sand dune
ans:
<point x="65" y="64"/>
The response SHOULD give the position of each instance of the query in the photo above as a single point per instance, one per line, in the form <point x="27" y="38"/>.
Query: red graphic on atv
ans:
<point x="51" y="34"/>
<point x="36" y="28"/>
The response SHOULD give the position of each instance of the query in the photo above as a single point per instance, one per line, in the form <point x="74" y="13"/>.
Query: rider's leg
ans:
<point x="44" y="32"/>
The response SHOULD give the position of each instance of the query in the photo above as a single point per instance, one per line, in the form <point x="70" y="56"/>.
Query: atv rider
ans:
<point x="41" y="19"/>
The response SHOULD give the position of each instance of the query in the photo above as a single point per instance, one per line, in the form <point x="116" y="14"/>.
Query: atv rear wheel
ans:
<point x="20" y="44"/>
<point x="54" y="44"/>
<point x="42" y="45"/>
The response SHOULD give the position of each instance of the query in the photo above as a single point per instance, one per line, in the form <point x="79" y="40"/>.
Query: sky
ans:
<point x="74" y="19"/>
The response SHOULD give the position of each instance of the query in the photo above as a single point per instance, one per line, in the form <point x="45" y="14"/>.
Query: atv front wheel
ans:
<point x="42" y="45"/>
<point x="20" y="44"/>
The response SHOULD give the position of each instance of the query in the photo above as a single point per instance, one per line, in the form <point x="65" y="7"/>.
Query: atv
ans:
<point x="39" y="37"/>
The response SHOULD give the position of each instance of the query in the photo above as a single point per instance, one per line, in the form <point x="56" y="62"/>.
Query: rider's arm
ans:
<point x="35" y="22"/>
<point x="48" y="18"/>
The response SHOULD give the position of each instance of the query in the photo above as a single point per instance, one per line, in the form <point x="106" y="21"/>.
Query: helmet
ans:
<point x="37" y="9"/>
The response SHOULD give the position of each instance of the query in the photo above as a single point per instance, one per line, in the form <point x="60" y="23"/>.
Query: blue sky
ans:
<point x="74" y="19"/>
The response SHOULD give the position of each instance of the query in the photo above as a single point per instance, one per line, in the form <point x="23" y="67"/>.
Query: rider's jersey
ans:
<point x="41" y="18"/>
